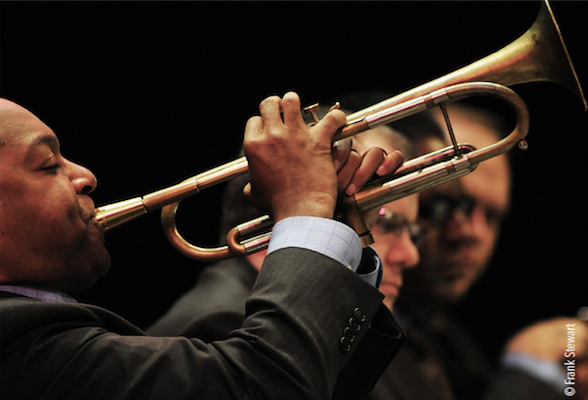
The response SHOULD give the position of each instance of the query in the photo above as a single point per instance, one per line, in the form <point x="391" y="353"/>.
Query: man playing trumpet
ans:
<point x="52" y="248"/>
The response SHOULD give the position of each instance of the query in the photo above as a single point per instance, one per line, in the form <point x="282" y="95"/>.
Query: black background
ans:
<point x="149" y="93"/>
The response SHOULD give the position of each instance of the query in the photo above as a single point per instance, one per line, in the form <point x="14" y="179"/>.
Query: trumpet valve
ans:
<point x="312" y="109"/>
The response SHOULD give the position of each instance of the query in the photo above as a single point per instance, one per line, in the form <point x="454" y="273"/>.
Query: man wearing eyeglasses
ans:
<point x="462" y="220"/>
<point x="396" y="233"/>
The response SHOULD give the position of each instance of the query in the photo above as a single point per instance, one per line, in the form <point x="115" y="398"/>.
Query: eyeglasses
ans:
<point x="391" y="222"/>
<point x="438" y="210"/>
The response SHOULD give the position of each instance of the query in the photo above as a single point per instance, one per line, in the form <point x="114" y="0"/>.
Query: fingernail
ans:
<point x="350" y="191"/>
<point x="381" y="169"/>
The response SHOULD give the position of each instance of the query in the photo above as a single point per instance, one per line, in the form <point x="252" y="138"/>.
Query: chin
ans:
<point x="81" y="284"/>
<point x="389" y="303"/>
<point x="91" y="274"/>
<point x="101" y="268"/>
<point x="450" y="294"/>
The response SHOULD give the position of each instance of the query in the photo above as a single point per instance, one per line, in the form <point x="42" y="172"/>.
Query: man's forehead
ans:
<point x="490" y="183"/>
<point x="32" y="139"/>
<point x="20" y="126"/>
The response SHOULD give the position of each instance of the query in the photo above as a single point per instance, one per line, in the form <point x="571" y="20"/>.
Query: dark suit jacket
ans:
<point x="447" y="364"/>
<point x="287" y="348"/>
<point x="216" y="305"/>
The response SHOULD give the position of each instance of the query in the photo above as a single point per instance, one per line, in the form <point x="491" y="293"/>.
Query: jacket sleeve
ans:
<point x="374" y="353"/>
<point x="289" y="347"/>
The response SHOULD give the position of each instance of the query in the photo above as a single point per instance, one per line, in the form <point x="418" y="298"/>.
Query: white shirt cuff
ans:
<point x="326" y="236"/>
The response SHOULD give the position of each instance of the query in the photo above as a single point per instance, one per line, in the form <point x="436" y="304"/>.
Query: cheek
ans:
<point x="39" y="216"/>
<point x="429" y="250"/>
<point x="481" y="253"/>
<point x="382" y="246"/>
<point x="379" y="241"/>
<point x="491" y="239"/>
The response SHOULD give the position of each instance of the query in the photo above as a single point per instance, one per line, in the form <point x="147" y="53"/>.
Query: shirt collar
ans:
<point x="39" y="293"/>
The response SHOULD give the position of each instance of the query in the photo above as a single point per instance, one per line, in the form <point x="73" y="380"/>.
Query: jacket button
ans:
<point x="354" y="326"/>
<point x="359" y="315"/>
<point x="345" y="345"/>
<point x="349" y="334"/>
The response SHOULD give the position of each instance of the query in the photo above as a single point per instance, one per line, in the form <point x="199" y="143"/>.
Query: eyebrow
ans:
<point x="42" y="140"/>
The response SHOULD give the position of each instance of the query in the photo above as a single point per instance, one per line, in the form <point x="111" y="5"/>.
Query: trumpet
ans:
<point x="539" y="54"/>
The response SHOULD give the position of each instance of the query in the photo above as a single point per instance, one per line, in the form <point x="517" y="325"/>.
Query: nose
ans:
<point x="401" y="251"/>
<point x="83" y="180"/>
<point x="458" y="226"/>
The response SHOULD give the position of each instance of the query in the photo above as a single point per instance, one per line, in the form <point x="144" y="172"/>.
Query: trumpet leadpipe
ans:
<point x="113" y="215"/>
